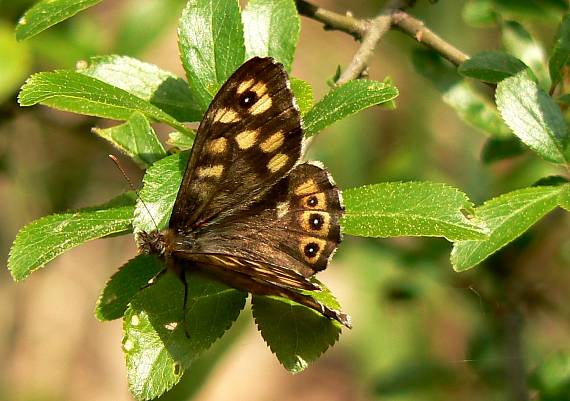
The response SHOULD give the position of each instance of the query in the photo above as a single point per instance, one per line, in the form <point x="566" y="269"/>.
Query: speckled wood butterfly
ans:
<point x="247" y="213"/>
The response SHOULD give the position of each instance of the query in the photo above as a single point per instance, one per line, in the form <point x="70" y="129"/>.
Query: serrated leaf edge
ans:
<point x="274" y="352"/>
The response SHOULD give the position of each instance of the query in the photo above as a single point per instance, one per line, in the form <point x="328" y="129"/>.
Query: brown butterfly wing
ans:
<point x="277" y="243"/>
<point x="244" y="213"/>
<point x="294" y="226"/>
<point x="250" y="137"/>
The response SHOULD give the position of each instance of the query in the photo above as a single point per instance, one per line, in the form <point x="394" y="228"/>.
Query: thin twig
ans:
<point x="333" y="21"/>
<point x="371" y="31"/>
<point x="417" y="29"/>
<point x="377" y="28"/>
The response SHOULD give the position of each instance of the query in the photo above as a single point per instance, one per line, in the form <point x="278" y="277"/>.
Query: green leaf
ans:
<point x="297" y="335"/>
<point x="160" y="187"/>
<point x="136" y="138"/>
<point x="499" y="149"/>
<point x="47" y="13"/>
<point x="42" y="240"/>
<point x="16" y="62"/>
<point x="470" y="106"/>
<point x="271" y="28"/>
<point x="533" y="116"/>
<point x="507" y="216"/>
<point x="303" y="94"/>
<point x="210" y="38"/>
<point x="180" y="140"/>
<point x="156" y="347"/>
<point x="124" y="285"/>
<point x="519" y="42"/>
<point x="560" y="53"/>
<point x="79" y="93"/>
<point x="146" y="81"/>
<point x="346" y="100"/>
<point x="411" y="208"/>
<point x="491" y="66"/>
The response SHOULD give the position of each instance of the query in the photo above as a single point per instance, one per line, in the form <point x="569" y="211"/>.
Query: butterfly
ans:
<point x="247" y="212"/>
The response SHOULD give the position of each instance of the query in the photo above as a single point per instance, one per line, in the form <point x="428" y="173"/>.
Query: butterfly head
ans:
<point x="154" y="242"/>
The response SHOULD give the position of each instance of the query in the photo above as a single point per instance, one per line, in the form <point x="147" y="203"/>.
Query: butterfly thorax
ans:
<point x="163" y="243"/>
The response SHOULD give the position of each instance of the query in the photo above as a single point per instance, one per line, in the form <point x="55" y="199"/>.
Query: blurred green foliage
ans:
<point x="421" y="330"/>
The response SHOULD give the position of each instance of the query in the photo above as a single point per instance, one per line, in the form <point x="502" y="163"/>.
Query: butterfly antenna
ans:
<point x="124" y="173"/>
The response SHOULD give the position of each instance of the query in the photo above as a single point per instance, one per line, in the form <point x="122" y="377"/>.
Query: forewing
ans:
<point x="249" y="139"/>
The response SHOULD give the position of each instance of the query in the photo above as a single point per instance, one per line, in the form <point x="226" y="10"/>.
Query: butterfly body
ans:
<point x="247" y="213"/>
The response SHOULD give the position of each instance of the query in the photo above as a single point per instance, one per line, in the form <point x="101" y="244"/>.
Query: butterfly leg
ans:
<point x="185" y="304"/>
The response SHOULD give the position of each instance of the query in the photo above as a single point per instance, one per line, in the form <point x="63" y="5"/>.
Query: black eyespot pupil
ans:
<point x="313" y="201"/>
<point x="311" y="250"/>
<point x="247" y="99"/>
<point x="316" y="221"/>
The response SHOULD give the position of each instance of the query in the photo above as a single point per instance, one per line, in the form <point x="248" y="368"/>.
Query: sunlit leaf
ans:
<point x="303" y="94"/>
<point x="146" y="81"/>
<point x="136" y="138"/>
<point x="534" y="117"/>
<point x="160" y="187"/>
<point x="410" y="208"/>
<point x="345" y="100"/>
<point x="157" y="347"/>
<point x="180" y="140"/>
<point x="42" y="240"/>
<point x="296" y="334"/>
<point x="507" y="217"/>
<point x="79" y="93"/>
<point x="47" y="13"/>
<point x="210" y="38"/>
<point x="271" y="28"/>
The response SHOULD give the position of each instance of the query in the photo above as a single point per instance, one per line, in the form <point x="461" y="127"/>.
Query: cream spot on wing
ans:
<point x="218" y="145"/>
<point x="225" y="115"/>
<point x="262" y="105"/>
<point x="277" y="162"/>
<point x="282" y="209"/>
<point x="306" y="188"/>
<point x="245" y="85"/>
<point x="212" y="171"/>
<point x="246" y="139"/>
<point x="272" y="143"/>
<point x="201" y="188"/>
<point x="259" y="88"/>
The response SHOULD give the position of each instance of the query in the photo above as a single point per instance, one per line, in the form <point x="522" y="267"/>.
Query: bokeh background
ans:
<point x="421" y="331"/>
